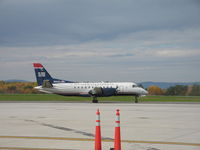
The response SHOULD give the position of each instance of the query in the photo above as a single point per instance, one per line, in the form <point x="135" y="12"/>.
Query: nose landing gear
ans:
<point x="136" y="99"/>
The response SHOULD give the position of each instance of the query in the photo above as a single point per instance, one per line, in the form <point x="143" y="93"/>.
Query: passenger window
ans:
<point x="133" y="86"/>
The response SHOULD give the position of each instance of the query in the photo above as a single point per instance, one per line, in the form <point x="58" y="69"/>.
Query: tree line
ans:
<point x="17" y="87"/>
<point x="179" y="90"/>
<point x="28" y="88"/>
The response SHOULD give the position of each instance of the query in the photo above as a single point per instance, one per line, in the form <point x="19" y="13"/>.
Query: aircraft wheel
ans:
<point x="95" y="100"/>
<point x="136" y="99"/>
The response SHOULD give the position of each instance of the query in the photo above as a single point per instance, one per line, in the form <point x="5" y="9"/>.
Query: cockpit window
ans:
<point x="134" y="85"/>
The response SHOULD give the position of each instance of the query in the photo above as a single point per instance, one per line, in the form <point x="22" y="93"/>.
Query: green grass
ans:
<point x="52" y="97"/>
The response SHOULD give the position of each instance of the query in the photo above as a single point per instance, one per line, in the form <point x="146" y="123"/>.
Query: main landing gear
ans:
<point x="94" y="100"/>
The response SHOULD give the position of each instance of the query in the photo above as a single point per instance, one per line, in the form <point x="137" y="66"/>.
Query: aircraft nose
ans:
<point x="145" y="92"/>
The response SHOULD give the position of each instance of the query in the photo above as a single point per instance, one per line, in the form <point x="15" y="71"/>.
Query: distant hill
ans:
<point x="15" y="80"/>
<point x="165" y="85"/>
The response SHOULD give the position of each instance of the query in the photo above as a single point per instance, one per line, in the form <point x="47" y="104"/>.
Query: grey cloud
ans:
<point x="63" y="22"/>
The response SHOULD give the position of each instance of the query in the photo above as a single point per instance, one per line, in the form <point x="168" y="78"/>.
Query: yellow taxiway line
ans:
<point x="104" y="140"/>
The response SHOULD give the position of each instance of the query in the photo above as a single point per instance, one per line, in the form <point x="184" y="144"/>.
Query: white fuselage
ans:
<point x="83" y="88"/>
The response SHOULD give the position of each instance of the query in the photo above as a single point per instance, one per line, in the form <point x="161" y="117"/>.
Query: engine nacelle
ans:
<point x="100" y="92"/>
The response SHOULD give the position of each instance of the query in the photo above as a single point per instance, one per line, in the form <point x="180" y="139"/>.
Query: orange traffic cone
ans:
<point x="98" y="132"/>
<point x="117" y="144"/>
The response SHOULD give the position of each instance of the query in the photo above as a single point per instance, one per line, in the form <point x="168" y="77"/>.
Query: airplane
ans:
<point x="47" y="84"/>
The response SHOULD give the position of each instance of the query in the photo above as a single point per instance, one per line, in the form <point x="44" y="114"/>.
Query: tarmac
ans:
<point x="71" y="126"/>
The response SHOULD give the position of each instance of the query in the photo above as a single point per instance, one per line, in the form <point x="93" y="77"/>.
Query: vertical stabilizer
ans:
<point x="41" y="74"/>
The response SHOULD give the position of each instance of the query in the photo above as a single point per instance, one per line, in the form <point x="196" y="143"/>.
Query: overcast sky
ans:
<point x="101" y="40"/>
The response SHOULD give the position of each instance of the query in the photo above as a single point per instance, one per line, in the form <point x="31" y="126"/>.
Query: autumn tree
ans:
<point x="155" y="90"/>
<point x="18" y="87"/>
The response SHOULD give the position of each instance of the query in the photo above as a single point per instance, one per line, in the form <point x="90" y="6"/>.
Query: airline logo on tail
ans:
<point x="41" y="74"/>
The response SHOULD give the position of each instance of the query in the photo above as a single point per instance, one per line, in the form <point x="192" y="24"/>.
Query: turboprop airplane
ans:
<point x="48" y="84"/>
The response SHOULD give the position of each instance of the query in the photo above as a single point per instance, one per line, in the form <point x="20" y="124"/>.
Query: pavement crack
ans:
<point x="67" y="129"/>
<point x="74" y="130"/>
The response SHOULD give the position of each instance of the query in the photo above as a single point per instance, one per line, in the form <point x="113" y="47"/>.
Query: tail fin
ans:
<point x="41" y="74"/>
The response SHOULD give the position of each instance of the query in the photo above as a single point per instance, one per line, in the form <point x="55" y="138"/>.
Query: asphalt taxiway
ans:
<point x="71" y="126"/>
